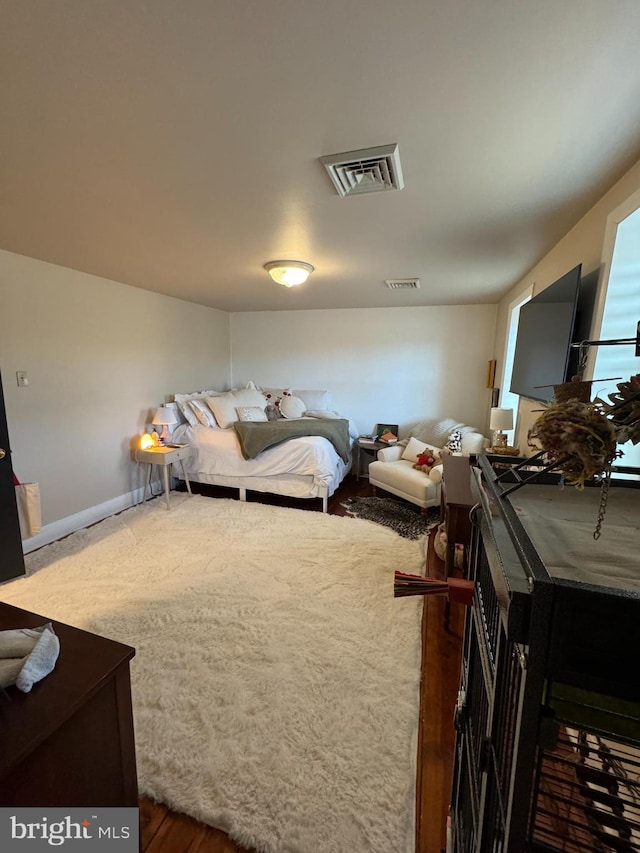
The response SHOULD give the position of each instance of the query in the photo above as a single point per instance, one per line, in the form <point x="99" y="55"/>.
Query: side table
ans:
<point x="457" y="502"/>
<point x="370" y="449"/>
<point x="163" y="456"/>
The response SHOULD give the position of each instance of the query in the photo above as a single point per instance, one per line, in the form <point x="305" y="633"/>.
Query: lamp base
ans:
<point x="499" y="439"/>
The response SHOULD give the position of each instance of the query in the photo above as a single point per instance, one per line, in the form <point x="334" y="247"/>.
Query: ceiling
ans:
<point x="175" y="146"/>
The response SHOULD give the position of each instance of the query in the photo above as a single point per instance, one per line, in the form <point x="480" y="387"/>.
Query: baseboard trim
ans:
<point x="79" y="520"/>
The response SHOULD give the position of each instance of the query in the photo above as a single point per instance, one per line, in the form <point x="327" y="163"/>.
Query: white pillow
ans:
<point x="224" y="408"/>
<point x="324" y="414"/>
<point x="473" y="442"/>
<point x="313" y="399"/>
<point x="250" y="397"/>
<point x="413" y="449"/>
<point x="183" y="400"/>
<point x="436" y="432"/>
<point x="292" y="407"/>
<point x="203" y="413"/>
<point x="251" y="413"/>
<point x="224" y="405"/>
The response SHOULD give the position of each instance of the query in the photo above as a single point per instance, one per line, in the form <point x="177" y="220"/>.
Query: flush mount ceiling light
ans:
<point x="289" y="273"/>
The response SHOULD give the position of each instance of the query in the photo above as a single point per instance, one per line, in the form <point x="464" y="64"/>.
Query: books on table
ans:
<point x="388" y="438"/>
<point x="367" y="439"/>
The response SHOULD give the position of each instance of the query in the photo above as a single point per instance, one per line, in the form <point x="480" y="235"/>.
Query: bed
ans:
<point x="308" y="466"/>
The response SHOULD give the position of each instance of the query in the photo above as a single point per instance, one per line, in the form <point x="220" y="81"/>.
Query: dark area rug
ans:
<point x="405" y="519"/>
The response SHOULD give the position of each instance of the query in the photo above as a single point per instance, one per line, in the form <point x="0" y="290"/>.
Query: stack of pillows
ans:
<point x="224" y="408"/>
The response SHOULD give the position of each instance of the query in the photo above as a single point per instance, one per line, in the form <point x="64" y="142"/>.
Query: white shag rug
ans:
<point x="276" y="679"/>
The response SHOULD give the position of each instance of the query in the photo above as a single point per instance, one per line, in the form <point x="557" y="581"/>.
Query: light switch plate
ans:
<point x="22" y="378"/>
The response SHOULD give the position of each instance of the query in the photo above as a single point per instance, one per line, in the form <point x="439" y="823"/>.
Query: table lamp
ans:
<point x="163" y="417"/>
<point x="500" y="420"/>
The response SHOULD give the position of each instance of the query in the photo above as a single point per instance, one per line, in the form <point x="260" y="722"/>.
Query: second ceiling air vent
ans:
<point x="368" y="170"/>
<point x="402" y="283"/>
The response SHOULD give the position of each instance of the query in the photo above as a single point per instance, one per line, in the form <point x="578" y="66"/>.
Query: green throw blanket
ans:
<point x="256" y="436"/>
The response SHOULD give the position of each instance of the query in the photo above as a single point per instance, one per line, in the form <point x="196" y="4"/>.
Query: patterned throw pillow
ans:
<point x="275" y="395"/>
<point x="455" y="441"/>
<point x="251" y="413"/>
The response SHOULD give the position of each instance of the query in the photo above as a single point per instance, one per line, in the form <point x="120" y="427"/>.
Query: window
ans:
<point x="507" y="399"/>
<point x="620" y="308"/>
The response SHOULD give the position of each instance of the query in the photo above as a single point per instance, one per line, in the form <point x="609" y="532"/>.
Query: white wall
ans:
<point x="397" y="365"/>
<point x="100" y="356"/>
<point x="583" y="244"/>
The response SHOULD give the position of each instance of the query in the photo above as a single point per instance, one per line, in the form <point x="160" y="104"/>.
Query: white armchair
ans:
<point x="393" y="470"/>
<point x="398" y="476"/>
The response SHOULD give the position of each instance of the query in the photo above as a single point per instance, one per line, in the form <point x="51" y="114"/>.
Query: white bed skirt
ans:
<point x="288" y="485"/>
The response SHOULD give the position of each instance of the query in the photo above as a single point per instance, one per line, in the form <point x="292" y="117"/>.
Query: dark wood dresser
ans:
<point x="70" y="741"/>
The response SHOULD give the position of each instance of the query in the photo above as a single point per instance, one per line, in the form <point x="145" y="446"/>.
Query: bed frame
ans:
<point x="288" y="485"/>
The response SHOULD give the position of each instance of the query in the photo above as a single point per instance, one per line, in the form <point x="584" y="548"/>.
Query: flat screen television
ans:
<point x="546" y="327"/>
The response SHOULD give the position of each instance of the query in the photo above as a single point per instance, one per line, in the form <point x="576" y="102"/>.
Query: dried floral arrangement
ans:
<point x="623" y="409"/>
<point x="581" y="437"/>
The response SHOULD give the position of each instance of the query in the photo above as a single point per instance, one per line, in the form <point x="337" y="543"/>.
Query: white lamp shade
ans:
<point x="501" y="419"/>
<point x="164" y="415"/>
<point x="289" y="273"/>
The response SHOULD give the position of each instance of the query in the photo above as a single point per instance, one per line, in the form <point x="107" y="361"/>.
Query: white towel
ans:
<point x="27" y="655"/>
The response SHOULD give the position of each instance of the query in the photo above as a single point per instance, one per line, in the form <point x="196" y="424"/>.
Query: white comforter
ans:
<point x="217" y="453"/>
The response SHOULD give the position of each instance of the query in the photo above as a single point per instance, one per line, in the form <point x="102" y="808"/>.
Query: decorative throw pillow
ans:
<point x="274" y="396"/>
<point x="251" y="413"/>
<point x="312" y="399"/>
<point x="455" y="441"/>
<point x="203" y="413"/>
<point x="292" y="407"/>
<point x="224" y="406"/>
<point x="413" y="449"/>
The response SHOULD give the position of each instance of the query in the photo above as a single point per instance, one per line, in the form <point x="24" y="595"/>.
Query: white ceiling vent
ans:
<point x="369" y="170"/>
<point x="402" y="283"/>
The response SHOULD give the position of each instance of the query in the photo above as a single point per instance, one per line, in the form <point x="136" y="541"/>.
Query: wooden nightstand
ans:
<point x="164" y="457"/>
<point x="370" y="449"/>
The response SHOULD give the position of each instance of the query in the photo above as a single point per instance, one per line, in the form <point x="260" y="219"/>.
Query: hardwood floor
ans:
<point x="164" y="831"/>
